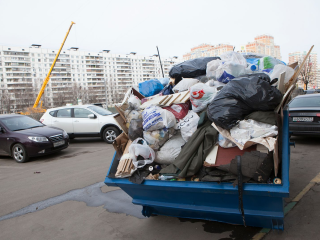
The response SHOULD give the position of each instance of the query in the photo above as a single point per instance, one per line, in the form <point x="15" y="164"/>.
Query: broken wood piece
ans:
<point x="281" y="82"/>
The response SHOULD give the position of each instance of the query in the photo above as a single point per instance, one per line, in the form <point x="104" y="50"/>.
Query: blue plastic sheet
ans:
<point x="164" y="81"/>
<point x="150" y="87"/>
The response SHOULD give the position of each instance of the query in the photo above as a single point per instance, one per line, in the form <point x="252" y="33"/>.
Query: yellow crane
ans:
<point x="35" y="108"/>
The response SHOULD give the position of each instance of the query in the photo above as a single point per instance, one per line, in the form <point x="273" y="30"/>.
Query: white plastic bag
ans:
<point x="234" y="57"/>
<point x="201" y="95"/>
<point x="142" y="150"/>
<point x="231" y="65"/>
<point x="188" y="125"/>
<point x="170" y="150"/>
<point x="185" y="84"/>
<point x="229" y="70"/>
<point x="212" y="67"/>
<point x="225" y="142"/>
<point x="278" y="69"/>
<point x="250" y="129"/>
<point x="134" y="102"/>
<point x="155" y="118"/>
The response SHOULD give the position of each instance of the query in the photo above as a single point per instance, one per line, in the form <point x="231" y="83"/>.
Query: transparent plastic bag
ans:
<point x="155" y="118"/>
<point x="134" y="102"/>
<point x="188" y="125"/>
<point x="201" y="95"/>
<point x="268" y="62"/>
<point x="141" y="150"/>
<point x="135" y="129"/>
<point x="157" y="138"/>
<point x="132" y="115"/>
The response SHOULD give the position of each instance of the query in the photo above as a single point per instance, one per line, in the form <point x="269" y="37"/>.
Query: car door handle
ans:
<point x="55" y="121"/>
<point x="76" y="121"/>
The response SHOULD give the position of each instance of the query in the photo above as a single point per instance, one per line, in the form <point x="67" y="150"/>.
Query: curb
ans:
<point x="289" y="206"/>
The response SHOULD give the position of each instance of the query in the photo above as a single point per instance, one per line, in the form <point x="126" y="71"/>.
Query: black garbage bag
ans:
<point x="191" y="68"/>
<point x="242" y="96"/>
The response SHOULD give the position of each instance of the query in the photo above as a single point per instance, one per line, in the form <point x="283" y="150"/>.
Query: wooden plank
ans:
<point x="122" y="123"/>
<point x="165" y="102"/>
<point x="173" y="99"/>
<point x="184" y="99"/>
<point x="281" y="82"/>
<point x="126" y="150"/>
<point x="120" y="112"/>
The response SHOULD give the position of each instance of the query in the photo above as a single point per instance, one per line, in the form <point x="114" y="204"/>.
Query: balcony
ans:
<point x="15" y="53"/>
<point x="12" y="59"/>
<point x="94" y="57"/>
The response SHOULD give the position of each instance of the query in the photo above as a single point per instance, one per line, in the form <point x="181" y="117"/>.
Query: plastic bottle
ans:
<point x="252" y="68"/>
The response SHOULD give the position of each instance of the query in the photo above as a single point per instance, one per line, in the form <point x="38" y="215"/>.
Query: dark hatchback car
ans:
<point x="304" y="115"/>
<point x="22" y="137"/>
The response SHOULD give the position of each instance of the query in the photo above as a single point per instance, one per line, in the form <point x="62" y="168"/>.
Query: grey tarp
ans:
<point x="268" y="117"/>
<point x="194" y="152"/>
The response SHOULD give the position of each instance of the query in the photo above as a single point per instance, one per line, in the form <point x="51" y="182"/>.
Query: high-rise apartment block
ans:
<point x="98" y="74"/>
<point x="207" y="50"/>
<point x="263" y="44"/>
<point x="313" y="63"/>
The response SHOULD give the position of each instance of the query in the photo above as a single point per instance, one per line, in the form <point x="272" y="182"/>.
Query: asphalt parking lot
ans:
<point x="62" y="196"/>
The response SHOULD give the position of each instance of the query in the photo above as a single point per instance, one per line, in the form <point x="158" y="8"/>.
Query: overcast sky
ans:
<point x="173" y="26"/>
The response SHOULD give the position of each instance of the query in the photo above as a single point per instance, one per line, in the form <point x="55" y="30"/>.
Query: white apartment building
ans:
<point x="22" y="71"/>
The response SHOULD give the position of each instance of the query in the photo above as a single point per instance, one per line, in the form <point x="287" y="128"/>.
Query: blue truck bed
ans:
<point x="263" y="204"/>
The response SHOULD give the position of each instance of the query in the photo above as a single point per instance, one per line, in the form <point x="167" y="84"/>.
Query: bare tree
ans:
<point x="5" y="101"/>
<point x="308" y="73"/>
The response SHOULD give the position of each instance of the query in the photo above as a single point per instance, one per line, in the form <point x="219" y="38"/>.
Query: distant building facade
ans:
<point x="22" y="71"/>
<point x="207" y="50"/>
<point x="263" y="44"/>
<point x="298" y="57"/>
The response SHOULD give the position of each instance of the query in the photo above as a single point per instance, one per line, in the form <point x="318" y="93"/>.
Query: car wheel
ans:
<point x="110" y="134"/>
<point x="19" y="153"/>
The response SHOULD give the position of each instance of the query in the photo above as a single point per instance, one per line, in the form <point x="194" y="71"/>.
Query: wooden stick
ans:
<point x="171" y="102"/>
<point x="163" y="99"/>
<point x="165" y="102"/>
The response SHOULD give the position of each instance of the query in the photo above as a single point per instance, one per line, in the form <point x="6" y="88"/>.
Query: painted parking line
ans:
<point x="290" y="205"/>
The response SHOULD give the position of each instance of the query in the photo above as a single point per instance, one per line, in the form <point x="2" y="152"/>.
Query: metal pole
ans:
<point x="46" y="80"/>
<point x="160" y="62"/>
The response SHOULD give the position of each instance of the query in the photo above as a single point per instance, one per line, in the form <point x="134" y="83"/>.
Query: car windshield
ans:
<point x="20" y="123"/>
<point x="100" y="110"/>
<point x="305" y="102"/>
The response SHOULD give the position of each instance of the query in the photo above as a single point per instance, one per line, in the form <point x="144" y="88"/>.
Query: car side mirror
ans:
<point x="1" y="130"/>
<point x="91" y="116"/>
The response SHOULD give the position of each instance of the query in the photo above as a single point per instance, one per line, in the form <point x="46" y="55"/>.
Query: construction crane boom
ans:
<point x="46" y="80"/>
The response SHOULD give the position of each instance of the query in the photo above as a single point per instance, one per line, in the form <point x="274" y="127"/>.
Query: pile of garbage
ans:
<point x="193" y="126"/>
